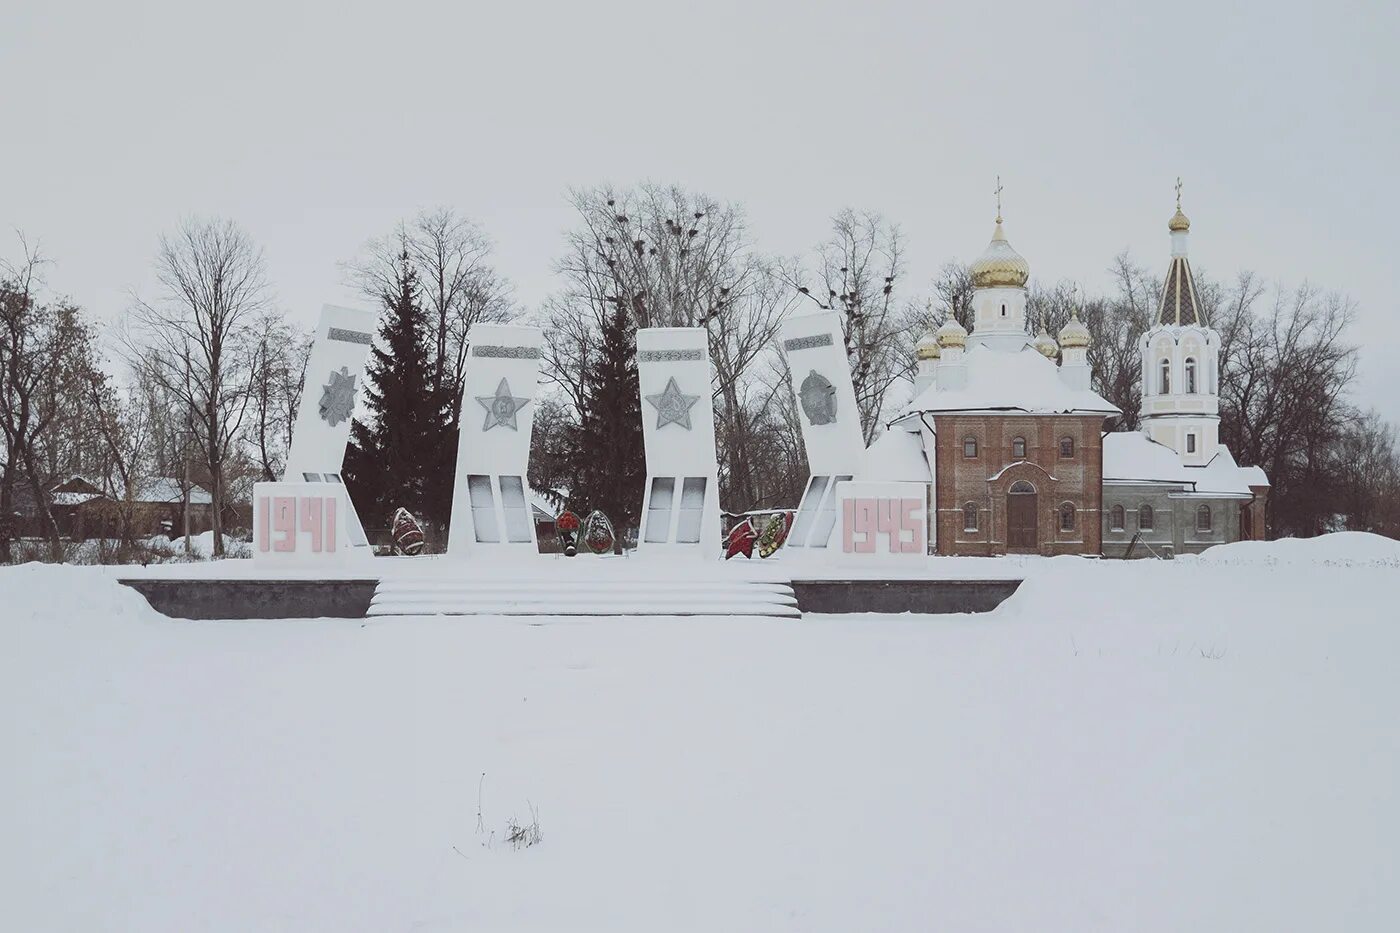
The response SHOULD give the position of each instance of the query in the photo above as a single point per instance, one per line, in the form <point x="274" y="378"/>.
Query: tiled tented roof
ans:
<point x="1180" y="303"/>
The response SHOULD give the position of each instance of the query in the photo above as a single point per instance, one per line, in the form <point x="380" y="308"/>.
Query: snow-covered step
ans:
<point x="563" y="598"/>
<point x="533" y="592"/>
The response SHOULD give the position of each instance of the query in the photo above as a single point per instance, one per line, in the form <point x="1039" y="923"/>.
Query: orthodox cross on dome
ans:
<point x="502" y="407"/>
<point x="997" y="192"/>
<point x="1178" y="192"/>
<point x="672" y="406"/>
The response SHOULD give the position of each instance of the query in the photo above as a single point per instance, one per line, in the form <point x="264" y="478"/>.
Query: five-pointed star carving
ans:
<point x="502" y="407"/>
<point x="673" y="407"/>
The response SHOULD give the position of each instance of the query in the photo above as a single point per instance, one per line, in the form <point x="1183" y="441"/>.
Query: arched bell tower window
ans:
<point x="1003" y="310"/>
<point x="1166" y="380"/>
<point x="1018" y="448"/>
<point x="1190" y="376"/>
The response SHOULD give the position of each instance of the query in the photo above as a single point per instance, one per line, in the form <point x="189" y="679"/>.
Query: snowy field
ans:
<point x="1205" y="744"/>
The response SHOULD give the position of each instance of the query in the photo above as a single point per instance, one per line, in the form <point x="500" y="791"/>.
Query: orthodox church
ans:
<point x="1018" y="450"/>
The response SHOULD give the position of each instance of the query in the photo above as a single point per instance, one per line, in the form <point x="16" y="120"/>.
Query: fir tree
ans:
<point x="608" y="461"/>
<point x="405" y="455"/>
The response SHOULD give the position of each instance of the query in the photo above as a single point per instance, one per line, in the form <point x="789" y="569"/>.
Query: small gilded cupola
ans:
<point x="1180" y="303"/>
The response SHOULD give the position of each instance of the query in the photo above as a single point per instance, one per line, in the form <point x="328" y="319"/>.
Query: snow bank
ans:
<point x="63" y="594"/>
<point x="203" y="546"/>
<point x="1343" y="548"/>
<point x="1147" y="746"/>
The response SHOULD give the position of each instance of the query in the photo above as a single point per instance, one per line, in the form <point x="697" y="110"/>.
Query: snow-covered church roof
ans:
<point x="896" y="456"/>
<point x="999" y="381"/>
<point x="1131" y="457"/>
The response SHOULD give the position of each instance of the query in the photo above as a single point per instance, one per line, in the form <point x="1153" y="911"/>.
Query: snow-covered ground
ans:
<point x="1204" y="744"/>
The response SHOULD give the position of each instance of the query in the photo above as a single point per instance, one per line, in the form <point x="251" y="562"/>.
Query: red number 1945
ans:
<point x="864" y="520"/>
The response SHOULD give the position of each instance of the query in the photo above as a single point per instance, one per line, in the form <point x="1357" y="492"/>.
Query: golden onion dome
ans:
<point x="1074" y="334"/>
<point x="1046" y="344"/>
<point x="1000" y="266"/>
<point x="927" y="347"/>
<point x="1179" y="222"/>
<point x="952" y="334"/>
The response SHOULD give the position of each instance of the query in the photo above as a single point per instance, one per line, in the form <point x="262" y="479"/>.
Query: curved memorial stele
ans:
<point x="307" y="518"/>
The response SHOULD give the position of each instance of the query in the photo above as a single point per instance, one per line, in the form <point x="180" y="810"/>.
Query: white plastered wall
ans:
<point x="1175" y="416"/>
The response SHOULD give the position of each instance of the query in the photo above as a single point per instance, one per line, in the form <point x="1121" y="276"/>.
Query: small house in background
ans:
<point x="543" y="512"/>
<point x="81" y="510"/>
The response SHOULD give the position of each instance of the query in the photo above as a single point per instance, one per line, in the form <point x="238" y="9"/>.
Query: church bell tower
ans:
<point x="1180" y="361"/>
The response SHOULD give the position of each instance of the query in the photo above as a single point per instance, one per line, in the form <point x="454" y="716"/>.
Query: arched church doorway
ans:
<point x="1021" y="512"/>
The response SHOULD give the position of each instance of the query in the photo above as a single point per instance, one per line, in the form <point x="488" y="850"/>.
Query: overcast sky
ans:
<point x="317" y="127"/>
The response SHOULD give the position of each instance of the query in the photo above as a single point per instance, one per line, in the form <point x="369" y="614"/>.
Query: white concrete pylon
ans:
<point x="490" y="495"/>
<point x="335" y="374"/>
<point x="831" y="430"/>
<point x="680" y="505"/>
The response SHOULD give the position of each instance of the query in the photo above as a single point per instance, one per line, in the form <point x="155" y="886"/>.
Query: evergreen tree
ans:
<point x="608" y="461"/>
<point x="404" y="457"/>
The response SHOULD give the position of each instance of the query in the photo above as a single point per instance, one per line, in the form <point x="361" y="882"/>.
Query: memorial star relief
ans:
<point x="672" y="407"/>
<point x="818" y="397"/>
<point x="502" y="407"/>
<point x="338" y="397"/>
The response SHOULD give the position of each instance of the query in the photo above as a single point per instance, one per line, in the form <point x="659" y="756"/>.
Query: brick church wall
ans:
<point x="986" y="479"/>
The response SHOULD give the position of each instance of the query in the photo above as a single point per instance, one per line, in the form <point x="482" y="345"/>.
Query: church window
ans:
<point x="1003" y="310"/>
<point x="1066" y="447"/>
<point x="1116" y="518"/>
<point x="1190" y="443"/>
<point x="1067" y="513"/>
<point x="1166" y="380"/>
<point x="970" y="516"/>
<point x="1145" y="518"/>
<point x="1203" y="518"/>
<point x="1190" y="376"/>
<point x="1018" y="448"/>
<point x="970" y="448"/>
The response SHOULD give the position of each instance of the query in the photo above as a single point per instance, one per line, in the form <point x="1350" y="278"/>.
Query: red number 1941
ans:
<point x="287" y="515"/>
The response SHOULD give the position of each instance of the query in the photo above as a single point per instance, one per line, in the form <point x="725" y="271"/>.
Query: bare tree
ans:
<point x="124" y="426"/>
<point x="856" y="272"/>
<point x="46" y="355"/>
<point x="459" y="287"/>
<point x="1368" y="468"/>
<point x="671" y="258"/>
<point x="1282" y="401"/>
<point x="279" y="376"/>
<point x="198" y="339"/>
